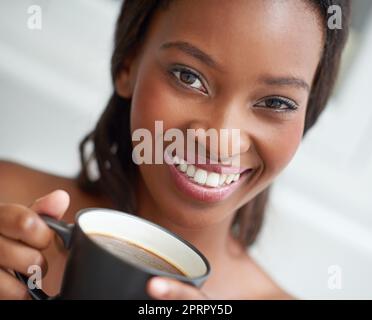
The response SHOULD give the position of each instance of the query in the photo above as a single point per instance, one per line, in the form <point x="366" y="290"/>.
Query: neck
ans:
<point x="214" y="241"/>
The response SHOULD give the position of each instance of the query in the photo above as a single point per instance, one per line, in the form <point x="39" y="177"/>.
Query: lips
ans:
<point x="221" y="169"/>
<point x="209" y="185"/>
<point x="206" y="164"/>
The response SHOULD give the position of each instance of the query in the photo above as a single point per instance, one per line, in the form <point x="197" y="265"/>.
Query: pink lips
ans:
<point x="219" y="168"/>
<point x="206" y="164"/>
<point x="205" y="193"/>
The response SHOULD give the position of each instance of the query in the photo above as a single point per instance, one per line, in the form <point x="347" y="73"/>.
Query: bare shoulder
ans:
<point x="23" y="185"/>
<point x="249" y="280"/>
<point x="263" y="284"/>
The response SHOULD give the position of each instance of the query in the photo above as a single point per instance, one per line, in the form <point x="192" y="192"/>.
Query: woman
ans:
<point x="266" y="68"/>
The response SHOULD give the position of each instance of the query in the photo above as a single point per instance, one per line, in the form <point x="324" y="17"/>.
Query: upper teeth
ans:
<point x="204" y="177"/>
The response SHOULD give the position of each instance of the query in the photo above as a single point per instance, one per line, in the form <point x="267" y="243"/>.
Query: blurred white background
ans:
<point x="317" y="237"/>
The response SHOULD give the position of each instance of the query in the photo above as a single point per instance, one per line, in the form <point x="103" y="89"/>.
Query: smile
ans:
<point x="204" y="185"/>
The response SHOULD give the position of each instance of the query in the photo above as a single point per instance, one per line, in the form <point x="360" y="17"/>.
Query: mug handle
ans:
<point x="64" y="231"/>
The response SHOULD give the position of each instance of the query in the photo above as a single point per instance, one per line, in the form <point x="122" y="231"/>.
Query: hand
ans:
<point x="23" y="235"/>
<point x="163" y="288"/>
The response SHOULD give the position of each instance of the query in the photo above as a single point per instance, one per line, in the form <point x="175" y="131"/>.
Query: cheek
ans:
<point x="279" y="145"/>
<point x="153" y="99"/>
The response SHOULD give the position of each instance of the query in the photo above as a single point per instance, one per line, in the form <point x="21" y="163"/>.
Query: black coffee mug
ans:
<point x="92" y="272"/>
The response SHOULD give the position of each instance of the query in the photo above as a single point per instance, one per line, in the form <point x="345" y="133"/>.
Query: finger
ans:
<point x="16" y="256"/>
<point x="11" y="288"/>
<point x="170" y="289"/>
<point x="54" y="204"/>
<point x="20" y="223"/>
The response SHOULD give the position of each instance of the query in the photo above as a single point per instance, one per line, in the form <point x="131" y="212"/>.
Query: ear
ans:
<point x="124" y="82"/>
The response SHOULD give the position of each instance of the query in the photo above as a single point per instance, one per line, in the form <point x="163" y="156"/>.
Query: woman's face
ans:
<point x="239" y="64"/>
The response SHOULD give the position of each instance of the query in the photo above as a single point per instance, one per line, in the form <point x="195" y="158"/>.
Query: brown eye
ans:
<point x="188" y="78"/>
<point x="278" y="104"/>
<point x="273" y="103"/>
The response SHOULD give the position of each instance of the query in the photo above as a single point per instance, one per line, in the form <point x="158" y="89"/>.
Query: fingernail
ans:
<point x="160" y="286"/>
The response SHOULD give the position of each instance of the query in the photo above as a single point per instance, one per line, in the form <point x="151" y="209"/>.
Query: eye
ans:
<point x="278" y="104"/>
<point x="189" y="78"/>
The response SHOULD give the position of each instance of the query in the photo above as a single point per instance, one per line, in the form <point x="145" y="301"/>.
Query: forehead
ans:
<point x="262" y="36"/>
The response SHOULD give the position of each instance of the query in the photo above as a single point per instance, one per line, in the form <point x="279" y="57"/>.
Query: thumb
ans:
<point x="54" y="204"/>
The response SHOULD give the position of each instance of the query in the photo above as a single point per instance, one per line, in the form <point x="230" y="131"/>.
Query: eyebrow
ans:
<point x="205" y="58"/>
<point x="285" y="81"/>
<point x="194" y="52"/>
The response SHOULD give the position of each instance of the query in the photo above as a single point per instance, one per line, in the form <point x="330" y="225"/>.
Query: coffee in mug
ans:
<point x="135" y="254"/>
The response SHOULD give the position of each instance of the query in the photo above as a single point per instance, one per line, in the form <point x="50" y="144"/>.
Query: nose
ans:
<point x="232" y="138"/>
